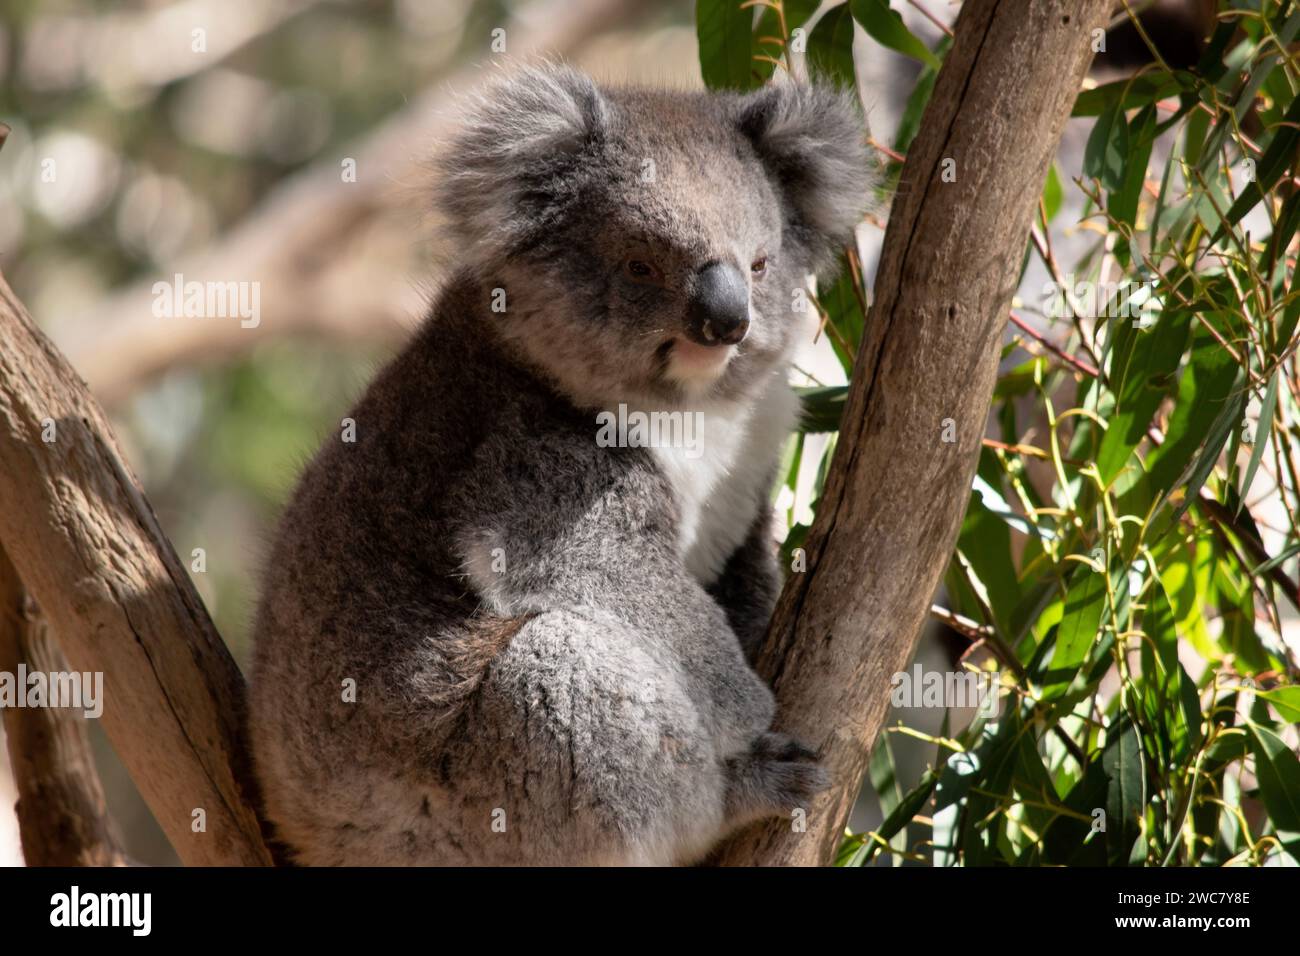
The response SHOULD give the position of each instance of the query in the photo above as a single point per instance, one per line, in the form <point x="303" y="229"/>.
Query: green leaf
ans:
<point x="1224" y="427"/>
<point x="839" y="301"/>
<point x="1161" y="628"/>
<point x="1128" y="94"/>
<point x="1053" y="194"/>
<point x="980" y="822"/>
<point x="884" y="775"/>
<point x="1184" y="719"/>
<point x="1170" y="702"/>
<point x="902" y="814"/>
<point x="1162" y="201"/>
<point x="1276" y="561"/>
<point x="1085" y="606"/>
<point x="830" y="47"/>
<point x="1107" y="148"/>
<point x="1072" y="842"/>
<point x="1144" y="376"/>
<point x="1261" y="437"/>
<point x="823" y="407"/>
<point x="1286" y="700"/>
<point x="1123" y="203"/>
<point x="1185" y="579"/>
<point x="1211" y="64"/>
<point x="1126" y="799"/>
<point x="725" y="34"/>
<point x="1204" y="387"/>
<point x="1290" y="315"/>
<point x="986" y="544"/>
<point x="887" y="28"/>
<point x="1278" y="773"/>
<point x="1288" y="222"/>
<point x="985" y="486"/>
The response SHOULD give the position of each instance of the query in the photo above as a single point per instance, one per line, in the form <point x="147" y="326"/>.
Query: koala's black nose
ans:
<point x="718" y="310"/>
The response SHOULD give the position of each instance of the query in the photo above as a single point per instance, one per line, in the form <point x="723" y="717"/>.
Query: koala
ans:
<point x="485" y="637"/>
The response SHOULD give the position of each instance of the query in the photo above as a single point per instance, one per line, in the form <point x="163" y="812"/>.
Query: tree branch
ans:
<point x="87" y="546"/>
<point x="62" y="816"/>
<point x="896" y="491"/>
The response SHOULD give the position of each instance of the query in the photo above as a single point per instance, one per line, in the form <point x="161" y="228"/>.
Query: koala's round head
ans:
<point x="653" y="245"/>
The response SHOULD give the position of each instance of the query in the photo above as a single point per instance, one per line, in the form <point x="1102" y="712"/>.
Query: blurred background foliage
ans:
<point x="163" y="159"/>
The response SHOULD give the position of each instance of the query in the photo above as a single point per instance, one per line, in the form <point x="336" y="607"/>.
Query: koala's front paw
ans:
<point x="775" y="776"/>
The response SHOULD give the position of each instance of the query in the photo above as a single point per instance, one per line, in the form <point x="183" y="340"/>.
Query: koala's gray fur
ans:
<point x="548" y="638"/>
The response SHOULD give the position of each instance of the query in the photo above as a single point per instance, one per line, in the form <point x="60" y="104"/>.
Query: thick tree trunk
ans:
<point x="897" y="490"/>
<point x="87" y="546"/>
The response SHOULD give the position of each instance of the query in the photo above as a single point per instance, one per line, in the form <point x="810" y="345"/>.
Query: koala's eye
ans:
<point x="758" y="267"/>
<point x="639" y="270"/>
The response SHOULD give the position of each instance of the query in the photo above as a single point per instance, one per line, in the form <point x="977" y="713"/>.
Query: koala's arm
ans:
<point x="616" y="551"/>
<point x="750" y="583"/>
<point x="662" y="718"/>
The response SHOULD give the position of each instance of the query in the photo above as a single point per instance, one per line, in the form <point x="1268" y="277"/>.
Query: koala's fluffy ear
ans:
<point x="509" y="166"/>
<point x="813" y="141"/>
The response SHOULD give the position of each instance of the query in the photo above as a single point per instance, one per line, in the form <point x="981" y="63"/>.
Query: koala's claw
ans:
<point x="776" y="775"/>
<point x="772" y="745"/>
<point x="793" y="784"/>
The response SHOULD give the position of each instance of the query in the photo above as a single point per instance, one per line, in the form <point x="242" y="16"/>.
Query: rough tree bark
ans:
<point x="87" y="546"/>
<point x="896" y="491"/>
<point x="62" y="817"/>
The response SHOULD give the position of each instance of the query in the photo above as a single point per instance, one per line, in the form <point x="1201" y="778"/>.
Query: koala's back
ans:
<point x="366" y="630"/>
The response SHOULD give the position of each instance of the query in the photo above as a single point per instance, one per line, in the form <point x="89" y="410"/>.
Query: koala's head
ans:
<point x="653" y="245"/>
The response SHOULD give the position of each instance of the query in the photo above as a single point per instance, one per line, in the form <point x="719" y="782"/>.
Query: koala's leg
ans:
<point x="583" y="747"/>
<point x="750" y="583"/>
<point x="626" y="707"/>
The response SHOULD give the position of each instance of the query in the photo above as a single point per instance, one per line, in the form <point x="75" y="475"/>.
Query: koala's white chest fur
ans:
<point x="717" y="481"/>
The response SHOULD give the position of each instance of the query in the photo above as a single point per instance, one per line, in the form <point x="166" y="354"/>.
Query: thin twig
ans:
<point x="931" y="17"/>
<point x="1038" y="337"/>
